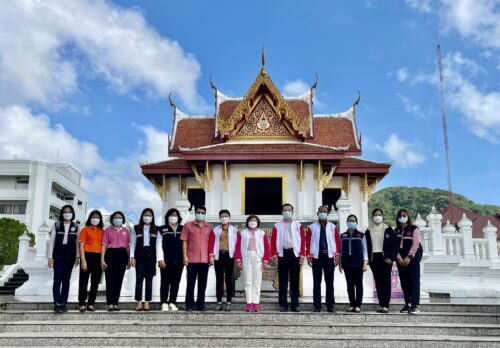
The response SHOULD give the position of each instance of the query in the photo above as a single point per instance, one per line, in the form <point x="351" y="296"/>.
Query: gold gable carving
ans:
<point x="262" y="87"/>
<point x="263" y="121"/>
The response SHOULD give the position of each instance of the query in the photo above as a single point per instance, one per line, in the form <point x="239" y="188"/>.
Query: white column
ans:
<point x="344" y="209"/>
<point x="490" y="233"/>
<point x="434" y="219"/>
<point x="41" y="245"/>
<point x="465" y="226"/>
<point x="24" y="244"/>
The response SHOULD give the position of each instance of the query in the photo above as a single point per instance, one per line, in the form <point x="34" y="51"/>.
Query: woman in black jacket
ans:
<point x="169" y="257"/>
<point x="382" y="252"/>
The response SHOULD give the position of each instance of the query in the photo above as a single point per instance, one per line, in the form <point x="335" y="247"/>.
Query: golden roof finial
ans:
<point x="263" y="68"/>
<point x="315" y="84"/>
<point x="356" y="103"/>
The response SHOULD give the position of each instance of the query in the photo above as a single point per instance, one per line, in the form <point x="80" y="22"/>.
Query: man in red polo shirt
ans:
<point x="195" y="236"/>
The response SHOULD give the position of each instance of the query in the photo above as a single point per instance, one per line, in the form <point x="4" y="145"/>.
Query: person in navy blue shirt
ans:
<point x="354" y="262"/>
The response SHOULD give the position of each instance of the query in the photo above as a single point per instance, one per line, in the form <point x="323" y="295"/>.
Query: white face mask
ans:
<point x="322" y="215"/>
<point x="378" y="219"/>
<point x="224" y="220"/>
<point x="67" y="216"/>
<point x="173" y="219"/>
<point x="95" y="221"/>
<point x="403" y="219"/>
<point x="200" y="216"/>
<point x="287" y="215"/>
<point x="147" y="219"/>
<point x="252" y="224"/>
<point x="118" y="222"/>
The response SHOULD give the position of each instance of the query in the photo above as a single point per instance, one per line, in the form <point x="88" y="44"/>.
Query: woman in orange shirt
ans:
<point x="90" y="264"/>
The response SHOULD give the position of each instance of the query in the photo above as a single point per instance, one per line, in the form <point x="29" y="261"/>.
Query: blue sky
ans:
<point x="87" y="81"/>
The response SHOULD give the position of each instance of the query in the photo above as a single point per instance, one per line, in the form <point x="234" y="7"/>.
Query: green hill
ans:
<point x="420" y="200"/>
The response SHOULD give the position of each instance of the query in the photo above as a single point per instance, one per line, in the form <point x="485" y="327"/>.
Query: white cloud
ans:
<point x="402" y="74"/>
<point x="421" y="5"/>
<point x="411" y="106"/>
<point x="298" y="87"/>
<point x="117" y="184"/>
<point x="404" y="154"/>
<point x="44" y="43"/>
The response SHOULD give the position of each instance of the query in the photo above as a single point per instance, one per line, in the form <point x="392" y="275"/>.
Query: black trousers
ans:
<point x="224" y="272"/>
<point x="409" y="277"/>
<point x="196" y="271"/>
<point x="117" y="260"/>
<point x="145" y="270"/>
<point x="382" y="276"/>
<point x="94" y="272"/>
<point x="170" y="280"/>
<point x="62" y="276"/>
<point x="323" y="265"/>
<point x="354" y="279"/>
<point x="288" y="268"/>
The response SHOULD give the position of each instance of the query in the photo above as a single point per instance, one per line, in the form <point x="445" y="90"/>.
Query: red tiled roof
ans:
<point x="226" y="108"/>
<point x="257" y="147"/>
<point x="333" y="131"/>
<point x="194" y="132"/>
<point x="358" y="162"/>
<point x="176" y="166"/>
<point x="455" y="214"/>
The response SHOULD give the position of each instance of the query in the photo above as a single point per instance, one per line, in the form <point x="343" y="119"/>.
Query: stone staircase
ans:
<point x="33" y="324"/>
<point x="18" y="279"/>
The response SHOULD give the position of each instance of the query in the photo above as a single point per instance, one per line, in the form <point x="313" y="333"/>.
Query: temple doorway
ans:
<point x="263" y="196"/>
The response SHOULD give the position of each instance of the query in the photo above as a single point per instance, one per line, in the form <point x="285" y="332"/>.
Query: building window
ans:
<point x="22" y="180"/>
<point x="19" y="209"/>
<point x="5" y="208"/>
<point x="80" y="203"/>
<point x="12" y="208"/>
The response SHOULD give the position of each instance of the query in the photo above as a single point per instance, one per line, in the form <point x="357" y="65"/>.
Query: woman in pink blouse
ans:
<point x="115" y="258"/>
<point x="252" y="252"/>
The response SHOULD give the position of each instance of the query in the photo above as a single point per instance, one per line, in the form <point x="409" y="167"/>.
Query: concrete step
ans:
<point x="237" y="339"/>
<point x="249" y="327"/>
<point x="239" y="304"/>
<point x="261" y="317"/>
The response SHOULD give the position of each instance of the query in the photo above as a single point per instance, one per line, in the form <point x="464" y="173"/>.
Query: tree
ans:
<point x="10" y="231"/>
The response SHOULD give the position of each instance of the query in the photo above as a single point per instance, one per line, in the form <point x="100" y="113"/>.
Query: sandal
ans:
<point x="145" y="306"/>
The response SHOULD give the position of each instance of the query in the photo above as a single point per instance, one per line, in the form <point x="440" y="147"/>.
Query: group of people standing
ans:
<point x="197" y="245"/>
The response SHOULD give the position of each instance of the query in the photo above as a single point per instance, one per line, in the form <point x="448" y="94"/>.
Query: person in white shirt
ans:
<point x="143" y="256"/>
<point x="64" y="255"/>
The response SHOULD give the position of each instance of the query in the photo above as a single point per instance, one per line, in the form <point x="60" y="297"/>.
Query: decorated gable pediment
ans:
<point x="263" y="112"/>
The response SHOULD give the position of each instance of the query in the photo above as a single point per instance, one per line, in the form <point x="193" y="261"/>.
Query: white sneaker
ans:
<point x="164" y="307"/>
<point x="173" y="307"/>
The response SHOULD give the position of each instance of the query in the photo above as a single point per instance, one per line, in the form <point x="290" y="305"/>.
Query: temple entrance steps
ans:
<point x="443" y="325"/>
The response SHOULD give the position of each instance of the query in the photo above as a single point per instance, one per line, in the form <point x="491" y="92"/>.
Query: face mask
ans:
<point x="147" y="219"/>
<point x="173" y="219"/>
<point x="200" y="216"/>
<point x="403" y="219"/>
<point x="67" y="216"/>
<point x="287" y="215"/>
<point x="95" y="221"/>
<point x="378" y="219"/>
<point x="322" y="216"/>
<point x="117" y="222"/>
<point x="252" y="224"/>
<point x="352" y="224"/>
<point x="224" y="220"/>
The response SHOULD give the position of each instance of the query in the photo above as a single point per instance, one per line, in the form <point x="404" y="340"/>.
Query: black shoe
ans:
<point x="331" y="310"/>
<point x="385" y="310"/>
<point x="219" y="306"/>
<point x="82" y="309"/>
<point x="296" y="309"/>
<point x="57" y="309"/>
<point x="405" y="309"/>
<point x="227" y="308"/>
<point x="317" y="310"/>
<point x="414" y="310"/>
<point x="64" y="309"/>
<point x="116" y="309"/>
<point x="283" y="308"/>
<point x="90" y="308"/>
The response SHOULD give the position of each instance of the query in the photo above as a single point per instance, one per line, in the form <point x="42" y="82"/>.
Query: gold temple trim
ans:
<point x="162" y="188"/>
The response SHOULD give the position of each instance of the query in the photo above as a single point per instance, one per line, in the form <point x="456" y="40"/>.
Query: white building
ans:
<point x="33" y="192"/>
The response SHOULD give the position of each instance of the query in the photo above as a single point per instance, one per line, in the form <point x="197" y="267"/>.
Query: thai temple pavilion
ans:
<point x="264" y="149"/>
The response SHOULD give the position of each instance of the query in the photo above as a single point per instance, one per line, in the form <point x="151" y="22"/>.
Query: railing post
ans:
<point x="24" y="244"/>
<point x="490" y="233"/>
<point x="41" y="245"/>
<point x="434" y="219"/>
<point x="465" y="226"/>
